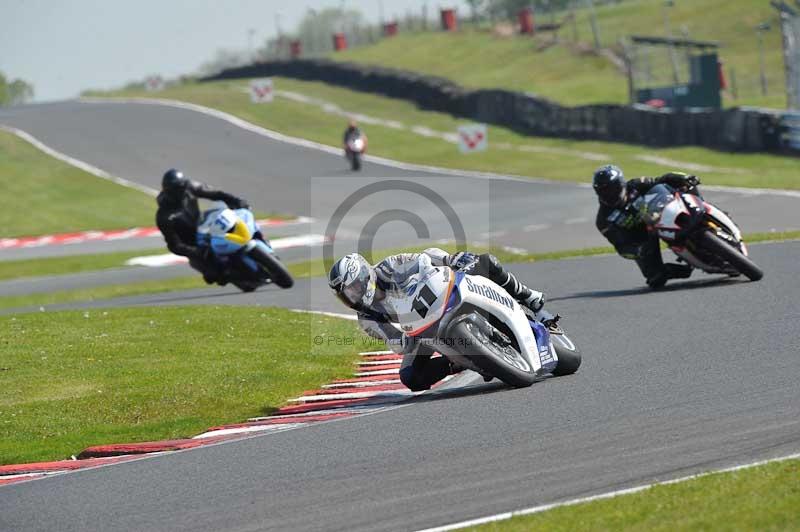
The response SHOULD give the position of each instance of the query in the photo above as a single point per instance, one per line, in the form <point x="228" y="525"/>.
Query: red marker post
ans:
<point x="525" y="18"/>
<point x="449" y="21"/>
<point x="339" y="42"/>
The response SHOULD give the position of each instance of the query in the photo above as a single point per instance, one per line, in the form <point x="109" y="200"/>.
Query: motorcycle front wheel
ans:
<point x="731" y="255"/>
<point x="569" y="356"/>
<point x="274" y="268"/>
<point x="479" y="344"/>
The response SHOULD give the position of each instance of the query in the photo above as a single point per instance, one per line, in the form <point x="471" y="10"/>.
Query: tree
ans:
<point x="3" y="89"/>
<point x="19" y="91"/>
<point x="317" y="27"/>
<point x="475" y="6"/>
<point x="14" y="92"/>
<point x="223" y="58"/>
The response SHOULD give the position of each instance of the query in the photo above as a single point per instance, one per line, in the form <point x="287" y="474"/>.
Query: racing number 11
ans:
<point x="424" y="300"/>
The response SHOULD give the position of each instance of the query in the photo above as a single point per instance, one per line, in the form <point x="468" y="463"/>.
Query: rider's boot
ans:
<point x="526" y="297"/>
<point x="669" y="271"/>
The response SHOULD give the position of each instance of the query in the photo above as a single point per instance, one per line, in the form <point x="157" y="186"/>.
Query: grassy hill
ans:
<point x="571" y="73"/>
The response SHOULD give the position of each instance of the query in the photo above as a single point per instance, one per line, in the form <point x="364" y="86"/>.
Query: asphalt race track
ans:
<point x="139" y="141"/>
<point x="699" y="376"/>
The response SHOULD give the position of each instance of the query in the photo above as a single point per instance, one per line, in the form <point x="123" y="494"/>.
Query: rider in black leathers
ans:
<point x="623" y="227"/>
<point x="178" y="216"/>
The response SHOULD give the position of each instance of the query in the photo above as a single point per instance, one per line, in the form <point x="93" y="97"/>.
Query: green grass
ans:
<point x="568" y="75"/>
<point x="312" y="268"/>
<point x="760" y="498"/>
<point x="44" y="195"/>
<point x="69" y="380"/>
<point x="557" y="159"/>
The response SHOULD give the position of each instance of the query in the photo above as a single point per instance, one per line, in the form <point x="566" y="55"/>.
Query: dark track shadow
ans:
<point x="673" y="287"/>
<point x="469" y="390"/>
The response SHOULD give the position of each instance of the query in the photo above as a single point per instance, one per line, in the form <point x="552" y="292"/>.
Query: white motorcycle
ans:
<point x="475" y="323"/>
<point x="700" y="234"/>
<point x="354" y="150"/>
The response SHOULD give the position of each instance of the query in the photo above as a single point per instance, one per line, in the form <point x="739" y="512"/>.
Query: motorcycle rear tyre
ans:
<point x="481" y="354"/>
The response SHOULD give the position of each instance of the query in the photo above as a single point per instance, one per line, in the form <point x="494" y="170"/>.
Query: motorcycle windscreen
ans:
<point x="651" y="206"/>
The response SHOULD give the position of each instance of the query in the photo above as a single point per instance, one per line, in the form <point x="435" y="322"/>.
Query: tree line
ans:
<point x="14" y="91"/>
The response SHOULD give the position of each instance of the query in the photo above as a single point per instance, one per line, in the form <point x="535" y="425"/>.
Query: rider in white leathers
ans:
<point x="365" y="289"/>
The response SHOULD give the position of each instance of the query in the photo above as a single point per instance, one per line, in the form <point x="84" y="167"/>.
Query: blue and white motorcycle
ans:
<point x="475" y="323"/>
<point x="238" y="244"/>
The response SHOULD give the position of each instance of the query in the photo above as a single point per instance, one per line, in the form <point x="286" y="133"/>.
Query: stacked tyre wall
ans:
<point x="737" y="129"/>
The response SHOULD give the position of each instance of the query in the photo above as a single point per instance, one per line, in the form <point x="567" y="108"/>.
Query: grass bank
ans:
<point x="571" y="73"/>
<point x="74" y="379"/>
<point x="50" y="196"/>
<point x="760" y="498"/>
<point x="508" y="153"/>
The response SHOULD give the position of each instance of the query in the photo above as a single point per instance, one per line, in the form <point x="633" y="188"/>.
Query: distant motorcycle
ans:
<point x="699" y="233"/>
<point x="237" y="242"/>
<point x="475" y="323"/>
<point x="355" y="147"/>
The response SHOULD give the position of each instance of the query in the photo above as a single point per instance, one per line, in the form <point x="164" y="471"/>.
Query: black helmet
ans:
<point x="174" y="182"/>
<point x="609" y="184"/>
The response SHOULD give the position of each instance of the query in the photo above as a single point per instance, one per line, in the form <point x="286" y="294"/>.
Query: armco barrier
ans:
<point x="738" y="129"/>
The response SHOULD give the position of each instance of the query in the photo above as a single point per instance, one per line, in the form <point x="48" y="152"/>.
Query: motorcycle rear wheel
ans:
<point x="731" y="255"/>
<point x="487" y="355"/>
<point x="275" y="268"/>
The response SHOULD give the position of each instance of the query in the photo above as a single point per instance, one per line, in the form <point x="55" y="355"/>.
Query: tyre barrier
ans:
<point x="736" y="129"/>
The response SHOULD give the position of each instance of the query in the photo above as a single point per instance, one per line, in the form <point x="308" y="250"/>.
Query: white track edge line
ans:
<point x="274" y="135"/>
<point x="609" y="495"/>
<point x="77" y="163"/>
<point x="352" y="317"/>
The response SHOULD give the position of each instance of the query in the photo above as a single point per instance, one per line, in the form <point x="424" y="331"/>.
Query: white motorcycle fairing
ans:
<point x="667" y="227"/>
<point x="441" y="293"/>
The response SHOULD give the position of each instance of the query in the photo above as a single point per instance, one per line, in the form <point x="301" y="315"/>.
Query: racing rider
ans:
<point x="621" y="224"/>
<point x="178" y="216"/>
<point x="364" y="288"/>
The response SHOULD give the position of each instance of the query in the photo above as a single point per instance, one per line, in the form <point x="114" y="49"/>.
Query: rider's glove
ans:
<point x="461" y="260"/>
<point x="683" y="180"/>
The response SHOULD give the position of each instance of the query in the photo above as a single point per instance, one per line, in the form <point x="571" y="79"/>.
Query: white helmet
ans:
<point x="353" y="280"/>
